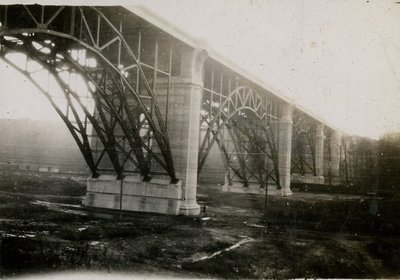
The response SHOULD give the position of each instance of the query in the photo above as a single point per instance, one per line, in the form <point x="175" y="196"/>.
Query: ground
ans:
<point x="44" y="228"/>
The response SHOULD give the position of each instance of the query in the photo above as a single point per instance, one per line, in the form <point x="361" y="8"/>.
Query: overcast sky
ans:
<point x="340" y="59"/>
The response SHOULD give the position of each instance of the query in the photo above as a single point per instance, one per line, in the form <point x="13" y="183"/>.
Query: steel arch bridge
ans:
<point x="154" y="109"/>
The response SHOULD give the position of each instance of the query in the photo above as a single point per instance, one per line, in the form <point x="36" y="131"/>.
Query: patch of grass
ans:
<point x="41" y="184"/>
<point x="332" y="258"/>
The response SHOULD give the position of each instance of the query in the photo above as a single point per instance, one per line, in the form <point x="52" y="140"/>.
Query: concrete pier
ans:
<point x="184" y="125"/>
<point x="158" y="195"/>
<point x="132" y="194"/>
<point x="285" y="148"/>
<point x="319" y="152"/>
<point x="335" y="157"/>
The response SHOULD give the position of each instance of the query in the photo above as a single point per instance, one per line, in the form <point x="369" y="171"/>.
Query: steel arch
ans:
<point x="303" y="145"/>
<point x="70" y="25"/>
<point x="105" y="128"/>
<point x="240" y="108"/>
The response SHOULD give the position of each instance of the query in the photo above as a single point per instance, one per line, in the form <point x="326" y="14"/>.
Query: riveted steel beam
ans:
<point x="102" y="35"/>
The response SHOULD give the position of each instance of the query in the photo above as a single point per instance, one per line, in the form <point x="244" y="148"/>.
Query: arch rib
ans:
<point x="91" y="42"/>
<point x="242" y="102"/>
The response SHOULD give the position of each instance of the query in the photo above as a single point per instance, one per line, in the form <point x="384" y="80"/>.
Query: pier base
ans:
<point x="307" y="179"/>
<point x="132" y="194"/>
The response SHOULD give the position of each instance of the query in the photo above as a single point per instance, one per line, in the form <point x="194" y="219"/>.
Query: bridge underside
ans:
<point x="151" y="113"/>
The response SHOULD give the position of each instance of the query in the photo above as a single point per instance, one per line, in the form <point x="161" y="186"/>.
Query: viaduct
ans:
<point x="159" y="109"/>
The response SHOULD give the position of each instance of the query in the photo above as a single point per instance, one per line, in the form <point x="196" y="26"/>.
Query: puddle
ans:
<point x="7" y="220"/>
<point x="19" y="235"/>
<point x="201" y="257"/>
<point x="77" y="209"/>
<point x="254" y="225"/>
<point x="302" y="244"/>
<point x="59" y="207"/>
<point x="55" y="204"/>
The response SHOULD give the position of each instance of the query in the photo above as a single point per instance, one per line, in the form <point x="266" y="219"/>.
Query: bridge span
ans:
<point x="156" y="109"/>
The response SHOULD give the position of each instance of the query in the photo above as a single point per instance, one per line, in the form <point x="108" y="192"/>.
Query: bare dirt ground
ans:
<point x="43" y="228"/>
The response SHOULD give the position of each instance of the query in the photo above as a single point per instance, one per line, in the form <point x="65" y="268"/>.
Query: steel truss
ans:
<point x="127" y="121"/>
<point x="303" y="144"/>
<point x="240" y="124"/>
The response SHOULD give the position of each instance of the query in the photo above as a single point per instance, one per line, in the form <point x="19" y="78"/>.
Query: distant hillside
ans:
<point x="39" y="144"/>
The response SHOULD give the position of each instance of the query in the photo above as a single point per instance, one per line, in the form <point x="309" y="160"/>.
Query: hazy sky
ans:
<point x="340" y="59"/>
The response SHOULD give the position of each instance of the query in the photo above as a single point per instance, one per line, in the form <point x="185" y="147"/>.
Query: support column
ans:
<point x="335" y="157"/>
<point x="285" y="148"/>
<point x="319" y="151"/>
<point x="184" y="125"/>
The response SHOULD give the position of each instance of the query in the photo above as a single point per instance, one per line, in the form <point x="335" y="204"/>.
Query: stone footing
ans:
<point x="336" y="181"/>
<point x="190" y="208"/>
<point x="251" y="189"/>
<point x="307" y="179"/>
<point x="132" y="194"/>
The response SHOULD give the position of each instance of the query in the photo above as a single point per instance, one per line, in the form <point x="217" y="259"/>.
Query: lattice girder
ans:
<point x="244" y="106"/>
<point x="303" y="144"/>
<point x="70" y="29"/>
<point x="104" y="126"/>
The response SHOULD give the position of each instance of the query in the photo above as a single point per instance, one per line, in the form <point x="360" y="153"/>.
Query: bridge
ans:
<point x="152" y="109"/>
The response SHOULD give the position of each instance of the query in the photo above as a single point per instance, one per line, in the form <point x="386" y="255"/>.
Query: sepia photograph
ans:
<point x="199" y="139"/>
